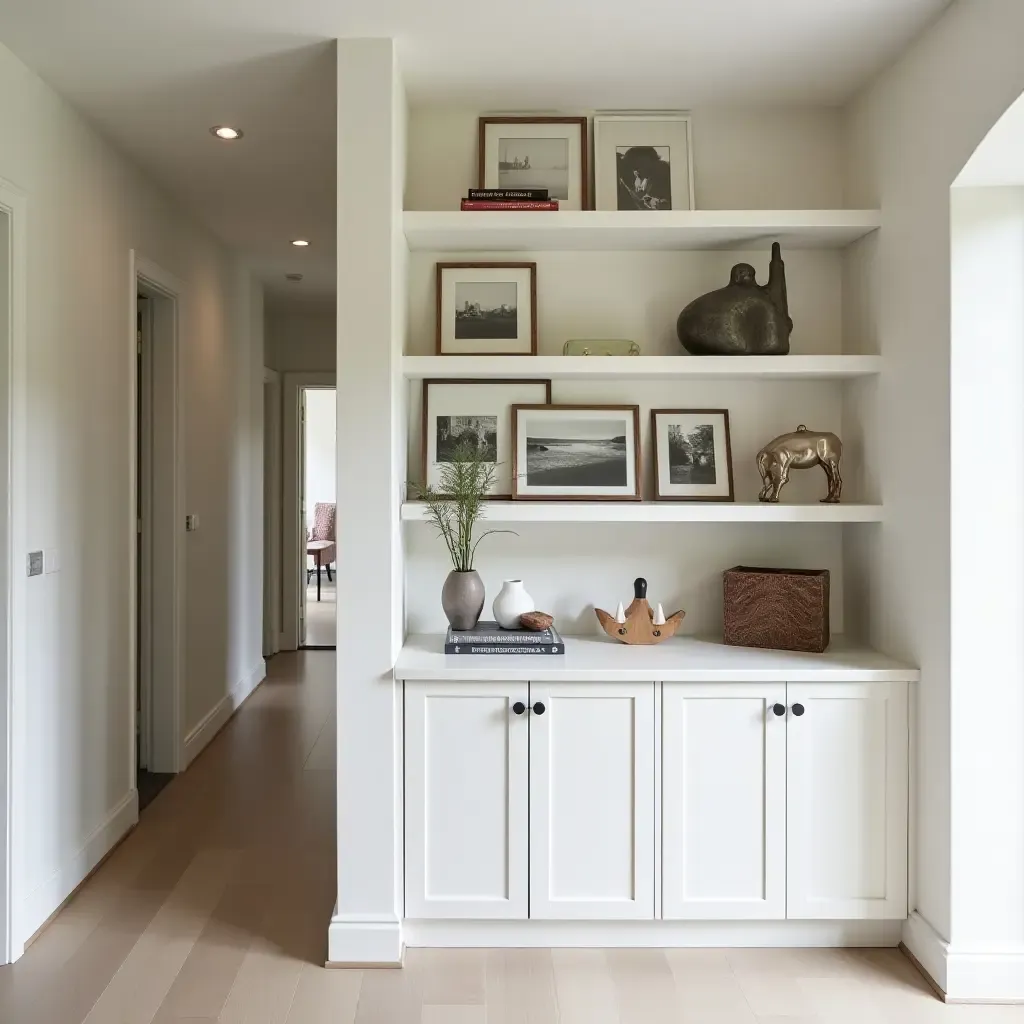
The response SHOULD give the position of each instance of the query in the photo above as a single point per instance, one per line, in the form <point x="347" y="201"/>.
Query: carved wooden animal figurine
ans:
<point x="638" y="624"/>
<point x="742" y="319"/>
<point x="801" y="449"/>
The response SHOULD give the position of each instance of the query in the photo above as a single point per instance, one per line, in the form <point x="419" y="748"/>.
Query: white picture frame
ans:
<point x="576" y="452"/>
<point x="670" y="136"/>
<point x="570" y="184"/>
<point x="454" y="399"/>
<point x="488" y="289"/>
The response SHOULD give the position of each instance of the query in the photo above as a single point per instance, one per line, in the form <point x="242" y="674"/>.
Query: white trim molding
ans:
<point x="966" y="975"/>
<point x="38" y="906"/>
<point x="368" y="941"/>
<point x="199" y="737"/>
<point x="14" y="674"/>
<point x="649" y="934"/>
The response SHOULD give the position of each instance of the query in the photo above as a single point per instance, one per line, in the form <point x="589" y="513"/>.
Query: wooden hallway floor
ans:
<point x="216" y="910"/>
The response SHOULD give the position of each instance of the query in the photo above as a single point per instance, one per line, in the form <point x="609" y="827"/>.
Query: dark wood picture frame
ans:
<point x="724" y="413"/>
<point x="581" y="122"/>
<point x="439" y="270"/>
<point x="425" y="416"/>
<point x="638" y="469"/>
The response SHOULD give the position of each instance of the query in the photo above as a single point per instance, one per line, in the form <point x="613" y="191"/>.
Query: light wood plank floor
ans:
<point x="216" y="909"/>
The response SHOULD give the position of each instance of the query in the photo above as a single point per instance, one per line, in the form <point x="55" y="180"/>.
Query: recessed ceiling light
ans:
<point x="299" y="241"/>
<point x="226" y="132"/>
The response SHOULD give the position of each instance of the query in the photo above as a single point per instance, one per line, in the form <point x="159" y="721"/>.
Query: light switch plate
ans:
<point x="35" y="563"/>
<point x="51" y="560"/>
<point x="191" y="523"/>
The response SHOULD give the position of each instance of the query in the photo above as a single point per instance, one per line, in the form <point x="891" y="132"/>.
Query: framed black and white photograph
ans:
<point x="692" y="455"/>
<point x="486" y="309"/>
<point x="478" y="412"/>
<point x="643" y="162"/>
<point x="536" y="152"/>
<point x="576" y="452"/>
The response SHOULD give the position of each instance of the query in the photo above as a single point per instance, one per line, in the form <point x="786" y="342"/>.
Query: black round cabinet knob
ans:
<point x="798" y="710"/>
<point x="519" y="707"/>
<point x="779" y="709"/>
<point x="538" y="708"/>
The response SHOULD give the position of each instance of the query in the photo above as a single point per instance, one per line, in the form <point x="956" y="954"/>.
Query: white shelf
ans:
<point x="511" y="231"/>
<point x="662" y="512"/>
<point x="681" y="367"/>
<point x="682" y="659"/>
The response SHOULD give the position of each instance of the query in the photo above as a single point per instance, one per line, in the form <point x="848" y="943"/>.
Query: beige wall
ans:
<point x="87" y="208"/>
<point x="301" y="340"/>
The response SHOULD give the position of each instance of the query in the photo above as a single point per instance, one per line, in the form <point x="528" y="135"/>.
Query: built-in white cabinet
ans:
<point x="784" y="800"/>
<point x="724" y="801"/>
<point x="466" y="800"/>
<point x="529" y="800"/>
<point x="592" y="801"/>
<point x="847" y="781"/>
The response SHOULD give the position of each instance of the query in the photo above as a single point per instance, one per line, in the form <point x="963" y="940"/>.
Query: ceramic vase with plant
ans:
<point x="456" y="507"/>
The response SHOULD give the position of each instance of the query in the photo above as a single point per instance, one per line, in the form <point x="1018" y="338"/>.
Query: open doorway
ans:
<point x="318" y="505"/>
<point x="159" y="523"/>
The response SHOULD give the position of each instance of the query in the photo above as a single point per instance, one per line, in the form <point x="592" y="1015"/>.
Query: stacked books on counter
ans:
<point x="509" y="199"/>
<point x="490" y="638"/>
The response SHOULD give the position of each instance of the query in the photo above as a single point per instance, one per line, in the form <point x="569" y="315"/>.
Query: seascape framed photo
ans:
<point x="576" y="452"/>
<point x="643" y="162"/>
<point x="478" y="412"/>
<point x="692" y="455"/>
<point x="536" y="152"/>
<point x="487" y="309"/>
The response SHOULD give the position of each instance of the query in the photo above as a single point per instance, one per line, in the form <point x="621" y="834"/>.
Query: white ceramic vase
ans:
<point x="511" y="602"/>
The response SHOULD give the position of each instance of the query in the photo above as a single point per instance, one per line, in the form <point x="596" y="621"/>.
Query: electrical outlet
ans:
<point x="35" y="563"/>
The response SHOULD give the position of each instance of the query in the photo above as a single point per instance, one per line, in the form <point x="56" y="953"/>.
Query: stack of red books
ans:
<point x="509" y="199"/>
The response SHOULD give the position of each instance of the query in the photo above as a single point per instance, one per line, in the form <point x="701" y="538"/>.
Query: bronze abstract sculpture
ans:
<point x="741" y="319"/>
<point x="801" y="449"/>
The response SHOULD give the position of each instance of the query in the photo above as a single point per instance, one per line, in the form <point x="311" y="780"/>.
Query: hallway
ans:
<point x="217" y="905"/>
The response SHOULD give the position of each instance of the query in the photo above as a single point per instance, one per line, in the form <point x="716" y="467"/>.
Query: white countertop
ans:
<point x="681" y="659"/>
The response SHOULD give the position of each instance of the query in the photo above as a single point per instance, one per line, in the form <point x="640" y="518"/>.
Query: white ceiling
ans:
<point x="155" y="75"/>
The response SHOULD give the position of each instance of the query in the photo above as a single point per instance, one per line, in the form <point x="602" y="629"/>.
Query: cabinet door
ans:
<point x="723" y="801"/>
<point x="592" y="800"/>
<point x="466" y="800"/>
<point x="847" y="758"/>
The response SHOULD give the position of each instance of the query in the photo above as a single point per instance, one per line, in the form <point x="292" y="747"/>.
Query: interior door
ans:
<point x="847" y="761"/>
<point x="144" y="534"/>
<point x="303" y="557"/>
<point x="592" y="801"/>
<point x="724" y="801"/>
<point x="466" y="796"/>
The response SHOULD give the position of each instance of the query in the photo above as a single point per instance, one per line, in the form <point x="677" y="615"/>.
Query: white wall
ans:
<point x="87" y="209"/>
<point x="907" y="138"/>
<point x="321" y="448"/>
<point x="300" y="339"/>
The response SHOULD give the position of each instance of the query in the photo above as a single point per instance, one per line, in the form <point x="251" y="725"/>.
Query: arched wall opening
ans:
<point x="986" y="452"/>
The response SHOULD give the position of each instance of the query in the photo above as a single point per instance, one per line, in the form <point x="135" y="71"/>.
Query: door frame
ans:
<point x="272" y="604"/>
<point x="166" y="744"/>
<point x="292" y="554"/>
<point x="14" y="666"/>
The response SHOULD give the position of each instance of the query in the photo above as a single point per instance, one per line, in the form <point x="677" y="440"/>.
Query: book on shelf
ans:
<point x="490" y="638"/>
<point x="535" y="195"/>
<point x="507" y="204"/>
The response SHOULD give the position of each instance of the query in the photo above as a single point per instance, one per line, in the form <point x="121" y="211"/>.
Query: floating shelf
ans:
<point x="482" y="231"/>
<point x="662" y="512"/>
<point x="681" y="659"/>
<point x="679" y="367"/>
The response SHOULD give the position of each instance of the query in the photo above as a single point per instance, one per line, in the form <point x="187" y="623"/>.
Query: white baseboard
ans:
<point x="215" y="720"/>
<point x="353" y="942"/>
<point x="46" y="898"/>
<point x="650" y="934"/>
<point x="966" y="975"/>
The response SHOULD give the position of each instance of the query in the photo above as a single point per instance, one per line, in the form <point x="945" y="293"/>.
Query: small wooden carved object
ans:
<point x="802" y="449"/>
<point x="639" y="624"/>
<point x="537" y="621"/>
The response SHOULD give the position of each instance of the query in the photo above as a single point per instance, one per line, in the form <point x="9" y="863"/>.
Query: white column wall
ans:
<point x="371" y="466"/>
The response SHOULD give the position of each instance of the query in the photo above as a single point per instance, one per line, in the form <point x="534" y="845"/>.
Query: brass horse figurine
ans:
<point x="802" y="449"/>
